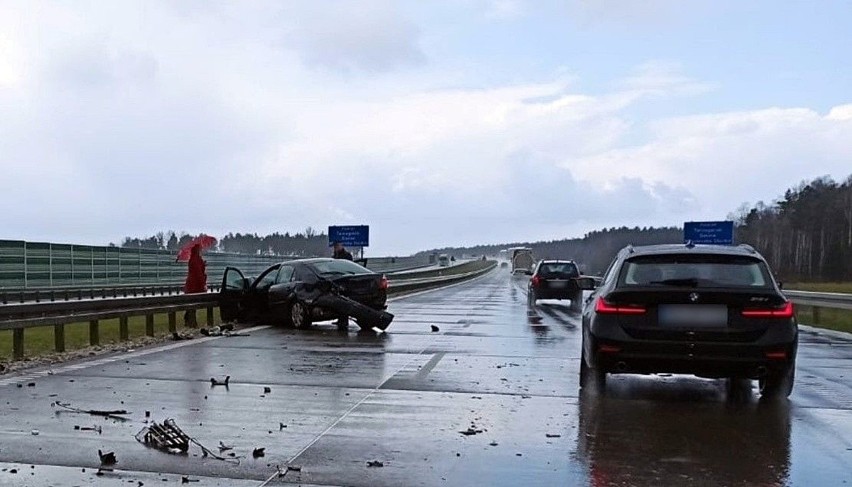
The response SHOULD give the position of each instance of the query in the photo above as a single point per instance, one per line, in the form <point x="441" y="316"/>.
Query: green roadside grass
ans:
<point x="831" y="319"/>
<point x="39" y="341"/>
<point x="820" y="287"/>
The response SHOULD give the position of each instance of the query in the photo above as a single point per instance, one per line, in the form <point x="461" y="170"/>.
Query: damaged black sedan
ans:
<point x="301" y="292"/>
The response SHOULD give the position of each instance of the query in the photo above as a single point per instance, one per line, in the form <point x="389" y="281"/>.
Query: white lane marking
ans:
<point x="362" y="401"/>
<point x="125" y="356"/>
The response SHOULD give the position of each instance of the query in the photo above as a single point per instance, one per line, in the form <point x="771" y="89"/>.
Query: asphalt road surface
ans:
<point x="497" y="370"/>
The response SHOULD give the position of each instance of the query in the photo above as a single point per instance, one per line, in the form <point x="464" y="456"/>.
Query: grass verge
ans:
<point x="39" y="341"/>
<point x="820" y="287"/>
<point x="831" y="319"/>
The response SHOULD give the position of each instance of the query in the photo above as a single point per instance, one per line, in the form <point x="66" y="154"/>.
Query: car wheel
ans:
<point x="778" y="384"/>
<point x="591" y="378"/>
<point x="577" y="301"/>
<point x="300" y="315"/>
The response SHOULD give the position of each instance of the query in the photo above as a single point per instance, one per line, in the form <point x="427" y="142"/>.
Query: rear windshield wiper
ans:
<point x="690" y="282"/>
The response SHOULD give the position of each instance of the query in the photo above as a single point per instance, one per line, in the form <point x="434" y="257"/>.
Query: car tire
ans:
<point x="591" y="378"/>
<point x="300" y="315"/>
<point x="577" y="301"/>
<point x="778" y="384"/>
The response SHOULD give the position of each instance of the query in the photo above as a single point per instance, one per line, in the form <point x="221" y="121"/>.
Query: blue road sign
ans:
<point x="710" y="233"/>
<point x="349" y="235"/>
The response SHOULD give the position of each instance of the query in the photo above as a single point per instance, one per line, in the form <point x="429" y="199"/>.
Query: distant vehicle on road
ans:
<point x="710" y="311"/>
<point x="522" y="260"/>
<point x="300" y="292"/>
<point x="556" y="279"/>
<point x="444" y="260"/>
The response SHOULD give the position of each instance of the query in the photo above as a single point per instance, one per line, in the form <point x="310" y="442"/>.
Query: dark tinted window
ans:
<point x="268" y="278"/>
<point x="695" y="270"/>
<point x="338" y="267"/>
<point x="558" y="269"/>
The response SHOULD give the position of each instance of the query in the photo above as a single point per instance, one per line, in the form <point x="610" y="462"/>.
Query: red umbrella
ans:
<point x="205" y="241"/>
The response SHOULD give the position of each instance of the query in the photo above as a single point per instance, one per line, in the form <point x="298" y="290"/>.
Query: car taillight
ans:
<point x="384" y="284"/>
<point x="536" y="281"/>
<point x="784" y="311"/>
<point x="602" y="306"/>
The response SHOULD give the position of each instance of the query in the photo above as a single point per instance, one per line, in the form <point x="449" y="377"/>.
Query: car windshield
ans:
<point x="558" y="269"/>
<point x="699" y="271"/>
<point x="338" y="267"/>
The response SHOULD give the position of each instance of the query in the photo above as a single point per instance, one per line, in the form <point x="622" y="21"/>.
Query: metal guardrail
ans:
<point x="20" y="316"/>
<point x="821" y="300"/>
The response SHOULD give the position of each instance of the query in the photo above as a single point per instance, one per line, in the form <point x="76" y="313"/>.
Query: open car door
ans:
<point x="233" y="295"/>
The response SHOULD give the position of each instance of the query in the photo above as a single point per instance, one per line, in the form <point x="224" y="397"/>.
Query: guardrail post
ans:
<point x="94" y="333"/>
<point x="172" y="321"/>
<point x="149" y="324"/>
<point x="18" y="343"/>
<point x="59" y="337"/>
<point x="123" y="332"/>
<point x="210" y="316"/>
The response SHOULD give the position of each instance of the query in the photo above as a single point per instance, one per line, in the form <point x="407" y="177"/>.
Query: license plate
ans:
<point x="558" y="284"/>
<point x="693" y="315"/>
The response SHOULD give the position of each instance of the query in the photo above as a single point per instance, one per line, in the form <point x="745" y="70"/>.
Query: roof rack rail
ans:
<point x="747" y="247"/>
<point x="630" y="249"/>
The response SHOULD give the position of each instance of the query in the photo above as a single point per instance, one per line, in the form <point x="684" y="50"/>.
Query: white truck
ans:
<point x="522" y="260"/>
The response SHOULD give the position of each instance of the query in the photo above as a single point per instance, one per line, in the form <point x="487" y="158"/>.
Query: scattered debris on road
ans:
<point x="258" y="452"/>
<point x="493" y="443"/>
<point x="222" y="331"/>
<point x="88" y="428"/>
<point x="111" y="413"/>
<point x="34" y="432"/>
<point x="435" y="329"/>
<point x="107" y="458"/>
<point x="375" y="463"/>
<point x="550" y="435"/>
<point x="185" y="480"/>
<point x="471" y="431"/>
<point x="215" y="382"/>
<point x="167" y="437"/>
<point x="182" y="336"/>
<point x="281" y="426"/>
<point x="223" y="447"/>
<point x="267" y="390"/>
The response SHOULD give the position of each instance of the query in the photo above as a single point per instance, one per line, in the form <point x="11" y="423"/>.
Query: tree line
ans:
<point x="308" y="243"/>
<point x="593" y="252"/>
<point x="806" y="234"/>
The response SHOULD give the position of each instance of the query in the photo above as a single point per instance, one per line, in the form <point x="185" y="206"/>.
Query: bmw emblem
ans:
<point x="693" y="297"/>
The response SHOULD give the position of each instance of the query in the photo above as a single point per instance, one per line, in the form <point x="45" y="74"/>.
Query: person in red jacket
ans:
<point x="196" y="281"/>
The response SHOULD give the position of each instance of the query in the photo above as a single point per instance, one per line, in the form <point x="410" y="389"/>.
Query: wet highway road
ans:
<point x="403" y="398"/>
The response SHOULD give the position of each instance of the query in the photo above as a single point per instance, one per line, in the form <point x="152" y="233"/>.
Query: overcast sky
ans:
<point x="436" y="122"/>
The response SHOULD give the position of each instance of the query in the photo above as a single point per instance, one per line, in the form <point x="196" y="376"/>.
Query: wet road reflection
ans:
<point x="665" y="442"/>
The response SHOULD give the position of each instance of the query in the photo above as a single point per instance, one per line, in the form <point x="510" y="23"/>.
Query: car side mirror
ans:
<point x="529" y="273"/>
<point x="586" y="283"/>
<point x="780" y="285"/>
